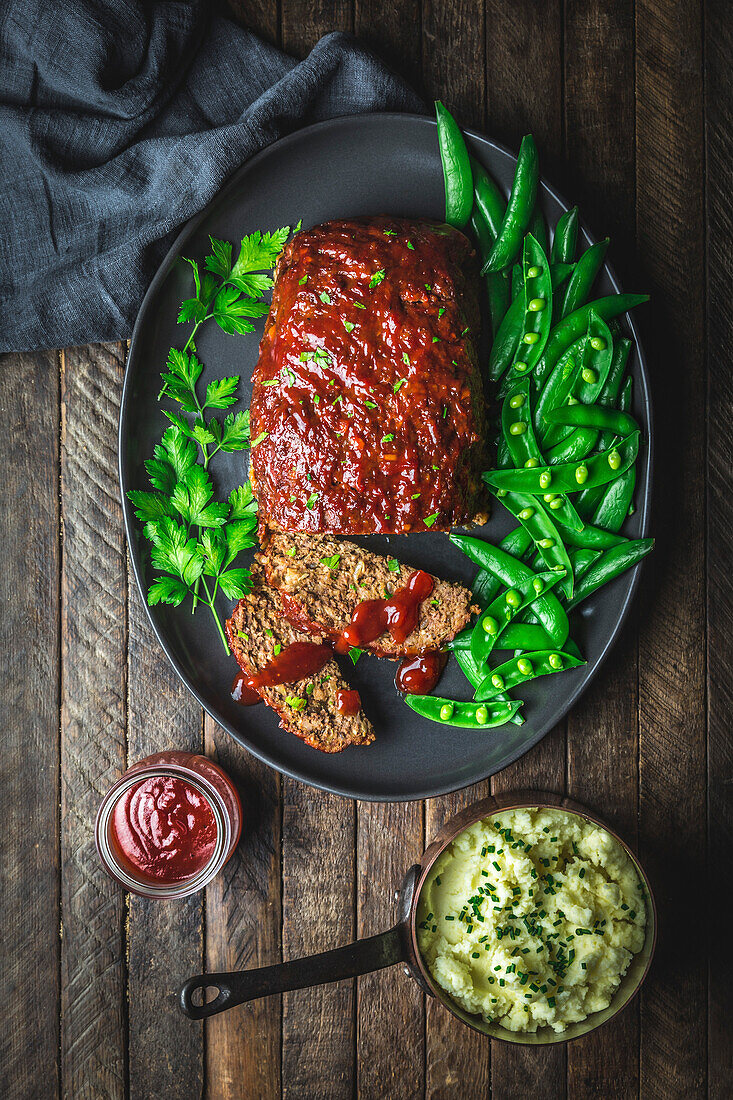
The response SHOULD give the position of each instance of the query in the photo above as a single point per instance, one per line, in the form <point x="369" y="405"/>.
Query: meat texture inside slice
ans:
<point x="367" y="410"/>
<point x="322" y="580"/>
<point x="256" y="631"/>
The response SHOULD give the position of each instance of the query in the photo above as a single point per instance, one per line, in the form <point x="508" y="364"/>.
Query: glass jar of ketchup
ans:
<point x="169" y="825"/>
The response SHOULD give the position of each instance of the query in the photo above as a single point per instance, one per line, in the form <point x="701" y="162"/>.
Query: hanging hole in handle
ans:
<point x="204" y="995"/>
<point x="200" y="998"/>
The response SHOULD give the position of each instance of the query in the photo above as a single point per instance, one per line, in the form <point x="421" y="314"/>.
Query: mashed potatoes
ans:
<point x="530" y="918"/>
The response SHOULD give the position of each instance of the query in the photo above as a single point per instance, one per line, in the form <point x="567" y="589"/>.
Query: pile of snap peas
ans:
<point x="567" y="444"/>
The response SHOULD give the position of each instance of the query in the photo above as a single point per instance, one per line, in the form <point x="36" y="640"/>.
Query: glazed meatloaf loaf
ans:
<point x="322" y="580"/>
<point x="367" y="411"/>
<point x="257" y="632"/>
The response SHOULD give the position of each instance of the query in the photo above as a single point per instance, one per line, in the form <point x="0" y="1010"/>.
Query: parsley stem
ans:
<point x="210" y="602"/>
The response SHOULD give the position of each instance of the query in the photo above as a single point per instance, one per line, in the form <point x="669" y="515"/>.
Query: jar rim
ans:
<point x="144" y="887"/>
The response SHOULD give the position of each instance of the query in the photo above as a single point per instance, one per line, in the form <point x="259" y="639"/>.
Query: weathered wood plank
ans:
<point x="29" y="690"/>
<point x="318" y="847"/>
<point x="165" y="940"/>
<point x="390" y="1008"/>
<point x="303" y="22"/>
<point x="243" y="921"/>
<point x="392" y="30"/>
<point x="602" y="738"/>
<point x="93" y="756"/>
<point x="718" y="53"/>
<point x="672" y="636"/>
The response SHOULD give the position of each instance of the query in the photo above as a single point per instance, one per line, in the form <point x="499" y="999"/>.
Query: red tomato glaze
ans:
<point x="163" y="830"/>
<point x="348" y="702"/>
<point x="419" y="675"/>
<point x="398" y="614"/>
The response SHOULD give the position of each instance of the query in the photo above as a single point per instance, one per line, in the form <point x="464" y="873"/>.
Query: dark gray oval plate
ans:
<point x="371" y="164"/>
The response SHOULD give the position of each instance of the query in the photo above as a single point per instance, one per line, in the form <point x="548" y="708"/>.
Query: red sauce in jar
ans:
<point x="164" y="830"/>
<point x="419" y="675"/>
<point x="348" y="702"/>
<point x="398" y="614"/>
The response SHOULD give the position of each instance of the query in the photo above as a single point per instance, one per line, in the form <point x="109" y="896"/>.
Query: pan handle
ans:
<point x="235" y="988"/>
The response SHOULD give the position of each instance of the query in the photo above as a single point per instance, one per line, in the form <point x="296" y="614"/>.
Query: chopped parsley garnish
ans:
<point x="441" y="311"/>
<point x="359" y="305"/>
<point x="277" y="648"/>
<point x="332" y="562"/>
<point x="325" y="298"/>
<point x="430" y="520"/>
<point x="387" y="438"/>
<point x="348" y="325"/>
<point x="296" y="702"/>
<point x="398" y="384"/>
<point x="355" y="653"/>
<point x="376" y="278"/>
<point x="370" y="404"/>
<point x="411" y="246"/>
<point x="405" y="358"/>
<point x="311" y="501"/>
<point x="414" y="496"/>
<point x="291" y="551"/>
<point x="259" y="438"/>
<point x="303" y="281"/>
<point x="393" y="565"/>
<point x="389" y="232"/>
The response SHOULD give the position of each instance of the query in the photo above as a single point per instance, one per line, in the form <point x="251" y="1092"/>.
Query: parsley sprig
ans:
<point x="196" y="538"/>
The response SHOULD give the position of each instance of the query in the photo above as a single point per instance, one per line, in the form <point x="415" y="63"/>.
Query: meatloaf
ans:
<point x="321" y="581"/>
<point x="307" y="708"/>
<point x="367" y="411"/>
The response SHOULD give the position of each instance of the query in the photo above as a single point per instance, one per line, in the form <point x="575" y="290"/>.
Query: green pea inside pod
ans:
<point x="569" y="477"/>
<point x="530" y="666"/>
<point x="537" y="319"/>
<point x="486" y="715"/>
<point x="581" y="384"/>
<point x="528" y="587"/>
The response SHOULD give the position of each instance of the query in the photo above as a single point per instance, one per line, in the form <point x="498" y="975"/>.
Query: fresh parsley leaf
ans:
<point x="254" y="284"/>
<point x="169" y="590"/>
<point x="235" y="583"/>
<point x="221" y="393"/>
<point x="235" y="431"/>
<point x="180" y="451"/>
<point x="241" y="502"/>
<point x="149" y="505"/>
<point x="191" y="497"/>
<point x="219" y="262"/>
<point x="173" y="551"/>
<point x="161" y="473"/>
<point x="239" y="536"/>
<point x="355" y="653"/>
<point x="259" y="251"/>
<point x="213" y="549"/>
<point x="192" y="309"/>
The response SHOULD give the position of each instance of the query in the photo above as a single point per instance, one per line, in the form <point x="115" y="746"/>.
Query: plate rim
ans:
<point x="186" y="230"/>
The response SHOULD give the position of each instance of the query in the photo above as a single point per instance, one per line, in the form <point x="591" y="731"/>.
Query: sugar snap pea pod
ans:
<point x="587" y="383"/>
<point x="518" y="431"/>
<point x="451" y="712"/>
<point x="593" y="416"/>
<point x="497" y="284"/>
<point x="509" y="570"/>
<point x="538" y="229"/>
<point x="614" y="562"/>
<point x="591" y="538"/>
<point x="588" y="358"/>
<point x="568" y="477"/>
<point x="565" y="240"/>
<point x="580" y="559"/>
<point x="490" y="624"/>
<point x="517" y="280"/>
<point x="624" y="400"/>
<point x="475" y="675"/>
<point x="572" y="447"/>
<point x="523" y="636"/>
<point x="572" y="327"/>
<point x="534" y="516"/>
<point x="456" y="168"/>
<point x="581" y="281"/>
<point x="537" y="317"/>
<point x="507" y="338"/>
<point x="615" y="502"/>
<point x="486" y="584"/>
<point x="487" y="199"/>
<point x="519" y="208"/>
<point x="588" y="500"/>
<point x="531" y="665"/>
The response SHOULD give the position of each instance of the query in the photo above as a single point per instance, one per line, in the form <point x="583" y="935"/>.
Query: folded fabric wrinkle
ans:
<point x="120" y="120"/>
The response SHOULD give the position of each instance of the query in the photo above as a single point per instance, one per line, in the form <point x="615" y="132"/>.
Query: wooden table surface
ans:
<point x="629" y="103"/>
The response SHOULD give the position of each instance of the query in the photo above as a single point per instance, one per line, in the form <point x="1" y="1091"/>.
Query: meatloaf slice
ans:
<point x="321" y="580"/>
<point x="367" y="411"/>
<point x="256" y="628"/>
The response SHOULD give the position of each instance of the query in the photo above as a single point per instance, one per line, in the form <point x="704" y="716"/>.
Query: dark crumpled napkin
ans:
<point x="118" y="121"/>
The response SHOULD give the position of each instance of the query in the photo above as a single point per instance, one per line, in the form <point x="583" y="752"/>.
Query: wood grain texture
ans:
<point x="672" y="615"/>
<point x="603" y="735"/>
<point x="319" y="871"/>
<point x="392" y="28"/>
<point x="718" y="52"/>
<point x="93" y="724"/>
<point x="29" y="689"/>
<point x="243" y="920"/>
<point x="165" y="939"/>
<point x="390" y="1048"/>
<point x="303" y="22"/>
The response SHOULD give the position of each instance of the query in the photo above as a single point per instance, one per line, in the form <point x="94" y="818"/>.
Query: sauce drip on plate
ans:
<point x="164" y="830"/>
<point x="419" y="675"/>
